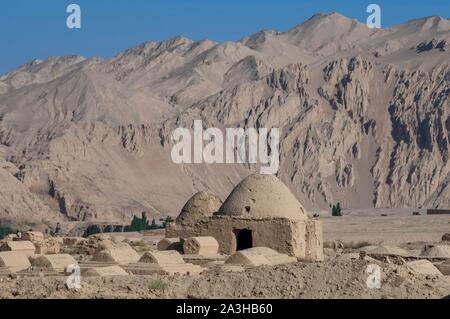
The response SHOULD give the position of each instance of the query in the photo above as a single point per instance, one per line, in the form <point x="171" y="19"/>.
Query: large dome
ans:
<point x="262" y="196"/>
<point x="202" y="204"/>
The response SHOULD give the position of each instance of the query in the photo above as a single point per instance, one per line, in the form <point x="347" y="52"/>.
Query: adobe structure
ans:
<point x="260" y="212"/>
<point x="438" y="211"/>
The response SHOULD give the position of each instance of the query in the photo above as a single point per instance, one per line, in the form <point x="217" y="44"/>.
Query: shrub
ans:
<point x="5" y="231"/>
<point x="166" y="221"/>
<point x="91" y="230"/>
<point x="153" y="225"/>
<point x="336" y="210"/>
<point x="156" y="285"/>
<point x="139" y="224"/>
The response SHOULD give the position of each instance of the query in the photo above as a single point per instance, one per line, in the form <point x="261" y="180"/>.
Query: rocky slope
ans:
<point x="364" y="114"/>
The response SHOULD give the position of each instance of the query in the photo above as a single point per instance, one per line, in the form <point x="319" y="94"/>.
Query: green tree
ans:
<point x="336" y="210"/>
<point x="139" y="224"/>
<point x="144" y="221"/>
<point x="135" y="224"/>
<point x="153" y="225"/>
<point x="5" y="231"/>
<point x="166" y="221"/>
<point x="91" y="230"/>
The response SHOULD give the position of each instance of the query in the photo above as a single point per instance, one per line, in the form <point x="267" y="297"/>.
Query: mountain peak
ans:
<point x="177" y="40"/>
<point x="333" y="20"/>
<point x="435" y="23"/>
<point x="327" y="30"/>
<point x="330" y="17"/>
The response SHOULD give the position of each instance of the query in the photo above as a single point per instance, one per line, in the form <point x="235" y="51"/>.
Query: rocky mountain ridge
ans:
<point x="364" y="115"/>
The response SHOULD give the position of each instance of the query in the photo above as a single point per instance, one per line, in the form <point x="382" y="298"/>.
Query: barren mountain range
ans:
<point x="364" y="117"/>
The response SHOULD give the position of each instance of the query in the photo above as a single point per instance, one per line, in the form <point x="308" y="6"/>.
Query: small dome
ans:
<point x="262" y="196"/>
<point x="202" y="204"/>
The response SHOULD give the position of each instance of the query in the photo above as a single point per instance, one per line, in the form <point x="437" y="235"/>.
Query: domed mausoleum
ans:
<point x="260" y="212"/>
<point x="201" y="205"/>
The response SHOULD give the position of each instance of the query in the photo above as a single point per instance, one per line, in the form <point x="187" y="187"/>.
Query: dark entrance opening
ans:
<point x="244" y="239"/>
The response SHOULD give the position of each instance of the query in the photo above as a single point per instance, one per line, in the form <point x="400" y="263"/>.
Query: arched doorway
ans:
<point x="244" y="239"/>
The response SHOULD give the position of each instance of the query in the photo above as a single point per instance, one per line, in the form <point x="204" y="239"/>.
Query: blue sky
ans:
<point x="32" y="29"/>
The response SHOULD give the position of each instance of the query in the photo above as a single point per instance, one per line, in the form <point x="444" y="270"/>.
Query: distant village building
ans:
<point x="438" y="211"/>
<point x="260" y="212"/>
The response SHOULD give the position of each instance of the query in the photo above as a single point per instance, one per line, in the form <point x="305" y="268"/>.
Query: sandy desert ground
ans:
<point x="394" y="229"/>
<point x="341" y="275"/>
<point x="335" y="278"/>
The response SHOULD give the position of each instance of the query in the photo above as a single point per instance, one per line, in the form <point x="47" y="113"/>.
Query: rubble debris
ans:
<point x="48" y="247"/>
<point x="33" y="236"/>
<point x="446" y="237"/>
<point x="73" y="241"/>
